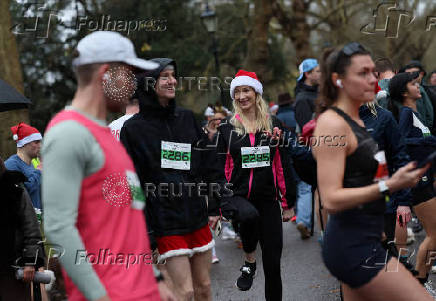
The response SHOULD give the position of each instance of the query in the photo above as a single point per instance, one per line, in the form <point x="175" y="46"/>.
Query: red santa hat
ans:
<point x="23" y="134"/>
<point x="245" y="78"/>
<point x="379" y="92"/>
<point x="273" y="107"/>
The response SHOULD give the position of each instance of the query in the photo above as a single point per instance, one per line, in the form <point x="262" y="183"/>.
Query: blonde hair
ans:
<point x="263" y="119"/>
<point x="372" y="107"/>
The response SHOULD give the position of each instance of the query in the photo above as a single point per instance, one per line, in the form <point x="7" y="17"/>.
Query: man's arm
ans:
<point x="65" y="150"/>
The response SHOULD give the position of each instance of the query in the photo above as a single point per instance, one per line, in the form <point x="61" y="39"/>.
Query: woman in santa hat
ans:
<point x="258" y="168"/>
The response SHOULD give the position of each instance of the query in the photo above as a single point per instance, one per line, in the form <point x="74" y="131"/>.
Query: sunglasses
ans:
<point x="349" y="50"/>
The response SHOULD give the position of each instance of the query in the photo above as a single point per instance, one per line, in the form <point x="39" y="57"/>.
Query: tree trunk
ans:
<point x="10" y="71"/>
<point x="301" y="35"/>
<point x="258" y="53"/>
<point x="296" y="27"/>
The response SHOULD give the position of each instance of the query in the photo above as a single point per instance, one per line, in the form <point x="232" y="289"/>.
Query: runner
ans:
<point x="258" y="169"/>
<point x="384" y="129"/>
<point x="163" y="143"/>
<point x="352" y="250"/>
<point x="404" y="89"/>
<point x="131" y="109"/>
<point x="92" y="199"/>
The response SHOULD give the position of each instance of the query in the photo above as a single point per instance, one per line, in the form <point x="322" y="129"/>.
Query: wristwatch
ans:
<point x="384" y="189"/>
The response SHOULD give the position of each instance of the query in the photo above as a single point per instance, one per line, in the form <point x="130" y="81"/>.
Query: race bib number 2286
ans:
<point x="175" y="155"/>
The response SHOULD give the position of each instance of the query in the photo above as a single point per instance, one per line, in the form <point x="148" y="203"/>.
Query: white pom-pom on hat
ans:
<point x="15" y="137"/>
<point x="381" y="94"/>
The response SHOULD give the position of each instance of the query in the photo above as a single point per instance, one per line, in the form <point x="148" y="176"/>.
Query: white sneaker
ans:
<point x="215" y="259"/>
<point x="429" y="287"/>
<point x="410" y="236"/>
<point x="227" y="234"/>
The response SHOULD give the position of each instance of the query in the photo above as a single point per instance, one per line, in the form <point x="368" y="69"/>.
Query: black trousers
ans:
<point x="260" y="222"/>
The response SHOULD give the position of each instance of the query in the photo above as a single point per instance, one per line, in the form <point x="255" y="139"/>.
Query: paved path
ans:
<point x="304" y="276"/>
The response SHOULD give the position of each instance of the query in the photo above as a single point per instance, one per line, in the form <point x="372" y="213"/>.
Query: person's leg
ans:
<point x="400" y="236"/>
<point x="248" y="217"/>
<point x="392" y="283"/>
<point x="426" y="213"/>
<point x="304" y="207"/>
<point x="200" y="267"/>
<point x="179" y="270"/>
<point x="271" y="243"/>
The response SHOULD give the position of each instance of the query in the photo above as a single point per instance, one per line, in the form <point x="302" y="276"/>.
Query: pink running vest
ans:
<point x="111" y="222"/>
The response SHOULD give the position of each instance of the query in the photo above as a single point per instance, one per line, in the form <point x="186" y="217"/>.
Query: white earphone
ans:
<point x="339" y="83"/>
<point x="106" y="76"/>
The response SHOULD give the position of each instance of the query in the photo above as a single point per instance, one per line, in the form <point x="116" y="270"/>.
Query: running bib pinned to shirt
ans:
<point x="176" y="155"/>
<point x="138" y="198"/>
<point x="417" y="123"/>
<point x="254" y="157"/>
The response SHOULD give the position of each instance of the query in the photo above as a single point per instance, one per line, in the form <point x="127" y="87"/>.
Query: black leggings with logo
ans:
<point x="260" y="222"/>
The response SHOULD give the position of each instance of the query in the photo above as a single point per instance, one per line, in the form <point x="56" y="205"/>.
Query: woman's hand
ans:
<point x="28" y="273"/>
<point x="406" y="176"/>
<point x="212" y="221"/>
<point x="406" y="216"/>
<point x="287" y="214"/>
<point x="276" y="134"/>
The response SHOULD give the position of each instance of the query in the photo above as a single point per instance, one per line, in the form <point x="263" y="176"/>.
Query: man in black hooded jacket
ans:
<point x="164" y="142"/>
<point x="21" y="239"/>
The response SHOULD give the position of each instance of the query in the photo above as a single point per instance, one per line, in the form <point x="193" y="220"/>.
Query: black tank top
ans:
<point x="361" y="166"/>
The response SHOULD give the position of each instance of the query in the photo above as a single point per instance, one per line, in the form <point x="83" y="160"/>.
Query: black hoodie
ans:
<point x="142" y="136"/>
<point x="305" y="97"/>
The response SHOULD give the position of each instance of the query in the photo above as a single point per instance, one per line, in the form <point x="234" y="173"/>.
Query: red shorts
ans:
<point x="181" y="245"/>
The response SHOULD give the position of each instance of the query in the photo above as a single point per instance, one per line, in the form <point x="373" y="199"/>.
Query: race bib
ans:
<point x="138" y="198"/>
<point x="417" y="123"/>
<point x="176" y="155"/>
<point x="254" y="157"/>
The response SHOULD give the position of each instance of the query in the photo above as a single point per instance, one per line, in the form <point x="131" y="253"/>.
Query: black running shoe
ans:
<point x="248" y="272"/>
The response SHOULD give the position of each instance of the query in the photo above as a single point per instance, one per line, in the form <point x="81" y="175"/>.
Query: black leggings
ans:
<point x="260" y="222"/>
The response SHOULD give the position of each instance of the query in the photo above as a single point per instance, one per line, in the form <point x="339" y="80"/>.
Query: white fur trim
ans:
<point x="186" y="252"/>
<point x="28" y="139"/>
<point x="245" y="80"/>
<point x="381" y="94"/>
<point x="174" y="253"/>
<point x="204" y="248"/>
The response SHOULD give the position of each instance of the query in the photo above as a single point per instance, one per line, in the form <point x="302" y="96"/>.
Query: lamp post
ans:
<point x="210" y="21"/>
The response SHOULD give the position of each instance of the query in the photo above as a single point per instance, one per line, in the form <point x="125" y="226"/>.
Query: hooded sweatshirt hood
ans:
<point x="148" y="100"/>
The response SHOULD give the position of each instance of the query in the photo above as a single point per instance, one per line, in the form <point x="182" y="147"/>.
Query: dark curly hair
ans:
<point x="397" y="88"/>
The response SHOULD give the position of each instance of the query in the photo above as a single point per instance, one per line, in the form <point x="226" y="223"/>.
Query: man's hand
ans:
<point x="165" y="293"/>
<point x="212" y="221"/>
<point x="287" y="214"/>
<point x="28" y="273"/>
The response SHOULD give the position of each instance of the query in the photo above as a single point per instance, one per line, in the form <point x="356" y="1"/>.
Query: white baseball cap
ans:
<point x="109" y="46"/>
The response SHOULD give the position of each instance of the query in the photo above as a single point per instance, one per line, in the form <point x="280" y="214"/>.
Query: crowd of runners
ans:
<point x="133" y="208"/>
